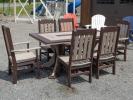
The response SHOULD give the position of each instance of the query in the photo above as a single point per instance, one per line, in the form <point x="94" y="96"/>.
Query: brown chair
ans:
<point x="66" y="25"/>
<point x="17" y="59"/>
<point x="81" y="54"/>
<point x="123" y="38"/>
<point x="46" y="26"/>
<point x="106" y="54"/>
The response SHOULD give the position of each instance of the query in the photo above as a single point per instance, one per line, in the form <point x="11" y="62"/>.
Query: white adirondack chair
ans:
<point x="97" y="22"/>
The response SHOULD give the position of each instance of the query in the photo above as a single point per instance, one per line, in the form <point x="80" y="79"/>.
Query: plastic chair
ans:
<point x="74" y="17"/>
<point x="97" y="22"/>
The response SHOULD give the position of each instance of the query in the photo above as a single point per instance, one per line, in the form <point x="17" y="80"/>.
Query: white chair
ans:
<point x="97" y="22"/>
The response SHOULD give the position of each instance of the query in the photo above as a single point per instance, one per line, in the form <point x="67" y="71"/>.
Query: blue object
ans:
<point x="40" y="9"/>
<point x="130" y="20"/>
<point x="70" y="6"/>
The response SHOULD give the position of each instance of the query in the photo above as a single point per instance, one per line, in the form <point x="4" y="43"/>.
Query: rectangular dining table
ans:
<point x="56" y="40"/>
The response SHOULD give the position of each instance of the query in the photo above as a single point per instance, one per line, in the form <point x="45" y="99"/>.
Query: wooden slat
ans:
<point x="81" y="41"/>
<point x="76" y="47"/>
<point x="89" y="46"/>
<point x="85" y="47"/>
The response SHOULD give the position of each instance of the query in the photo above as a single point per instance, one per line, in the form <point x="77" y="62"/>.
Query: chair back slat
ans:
<point x="66" y="25"/>
<point x="82" y="44"/>
<point x="124" y="29"/>
<point x="108" y="41"/>
<point x="98" y="21"/>
<point x="47" y="25"/>
<point x="8" y="40"/>
<point x="8" y="43"/>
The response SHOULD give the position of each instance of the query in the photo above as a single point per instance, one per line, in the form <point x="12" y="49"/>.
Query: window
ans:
<point x="126" y="1"/>
<point x="105" y="1"/>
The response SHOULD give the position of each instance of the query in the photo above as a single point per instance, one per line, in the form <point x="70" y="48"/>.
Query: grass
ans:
<point x="7" y="1"/>
<point x="10" y="11"/>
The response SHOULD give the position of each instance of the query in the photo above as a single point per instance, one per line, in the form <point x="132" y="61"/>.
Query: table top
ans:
<point x="49" y="38"/>
<point x="54" y="38"/>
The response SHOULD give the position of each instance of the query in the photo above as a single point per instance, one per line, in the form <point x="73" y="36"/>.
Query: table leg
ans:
<point x="59" y="50"/>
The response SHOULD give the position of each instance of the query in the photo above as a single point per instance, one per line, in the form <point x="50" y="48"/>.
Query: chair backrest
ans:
<point x="82" y="45"/>
<point x="74" y="17"/>
<point x="98" y="21"/>
<point x="124" y="29"/>
<point x="108" y="41"/>
<point x="47" y="25"/>
<point x="66" y="25"/>
<point x="8" y="43"/>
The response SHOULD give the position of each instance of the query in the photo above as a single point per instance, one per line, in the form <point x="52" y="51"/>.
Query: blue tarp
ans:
<point x="70" y="6"/>
<point x="130" y="20"/>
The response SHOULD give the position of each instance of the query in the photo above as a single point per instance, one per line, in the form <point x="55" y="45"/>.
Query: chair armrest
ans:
<point x="123" y="39"/>
<point x="27" y="42"/>
<point x="24" y="50"/>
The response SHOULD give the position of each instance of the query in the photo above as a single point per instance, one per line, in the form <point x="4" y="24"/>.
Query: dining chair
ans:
<point x="46" y="26"/>
<point x="97" y="21"/>
<point x="18" y="59"/>
<point x="74" y="17"/>
<point x="106" y="53"/>
<point x="81" y="54"/>
<point x="66" y="25"/>
<point x="123" y="38"/>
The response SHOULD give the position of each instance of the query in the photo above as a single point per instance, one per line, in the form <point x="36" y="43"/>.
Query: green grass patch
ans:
<point x="10" y="11"/>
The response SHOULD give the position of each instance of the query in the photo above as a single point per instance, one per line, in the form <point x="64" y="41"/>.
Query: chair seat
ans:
<point x="105" y="57"/>
<point x="120" y="46"/>
<point x="65" y="59"/>
<point x="26" y="56"/>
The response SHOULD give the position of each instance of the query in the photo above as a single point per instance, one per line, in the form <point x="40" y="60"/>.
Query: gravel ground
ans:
<point x="111" y="87"/>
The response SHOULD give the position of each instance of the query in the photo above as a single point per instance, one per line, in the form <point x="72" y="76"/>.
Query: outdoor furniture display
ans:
<point x="123" y="38"/>
<point x="46" y="26"/>
<point x="18" y="59"/>
<point x="81" y="54"/>
<point x="57" y="38"/>
<point x="97" y="22"/>
<point x="106" y="54"/>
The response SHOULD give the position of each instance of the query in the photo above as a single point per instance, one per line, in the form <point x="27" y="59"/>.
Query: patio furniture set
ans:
<point x="78" y="51"/>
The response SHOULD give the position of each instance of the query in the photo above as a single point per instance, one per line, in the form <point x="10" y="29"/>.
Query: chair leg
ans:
<point x="90" y="74"/>
<point x="97" y="71"/>
<point x="14" y="76"/>
<point x="125" y="51"/>
<point x="40" y="55"/>
<point x="9" y="68"/>
<point x="97" y="76"/>
<point x="69" y="78"/>
<point x="113" y="68"/>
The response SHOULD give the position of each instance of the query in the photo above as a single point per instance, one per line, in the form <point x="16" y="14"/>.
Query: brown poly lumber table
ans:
<point x="54" y="39"/>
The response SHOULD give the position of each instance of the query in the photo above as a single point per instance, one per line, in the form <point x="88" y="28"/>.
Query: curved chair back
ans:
<point x="98" y="21"/>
